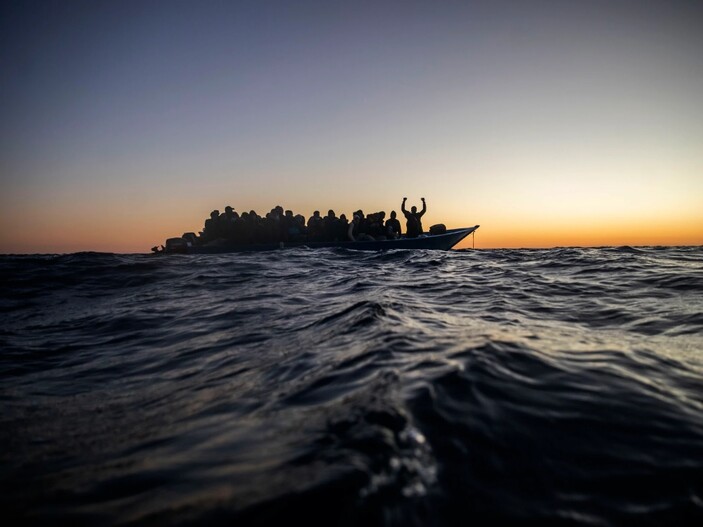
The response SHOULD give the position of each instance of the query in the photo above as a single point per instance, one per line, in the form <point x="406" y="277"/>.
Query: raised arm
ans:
<point x="350" y="232"/>
<point x="402" y="206"/>
<point x="424" y="207"/>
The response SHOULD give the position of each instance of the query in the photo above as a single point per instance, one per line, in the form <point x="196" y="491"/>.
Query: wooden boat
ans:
<point x="442" y="242"/>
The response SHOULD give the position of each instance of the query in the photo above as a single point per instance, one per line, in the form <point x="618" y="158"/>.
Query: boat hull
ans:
<point x="441" y="242"/>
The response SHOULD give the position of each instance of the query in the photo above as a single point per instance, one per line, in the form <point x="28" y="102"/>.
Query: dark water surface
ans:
<point x="561" y="386"/>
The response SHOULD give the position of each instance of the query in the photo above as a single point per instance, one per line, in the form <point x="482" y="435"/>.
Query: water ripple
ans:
<point x="554" y="386"/>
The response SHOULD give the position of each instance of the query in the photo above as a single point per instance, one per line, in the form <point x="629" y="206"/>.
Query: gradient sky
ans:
<point x="548" y="123"/>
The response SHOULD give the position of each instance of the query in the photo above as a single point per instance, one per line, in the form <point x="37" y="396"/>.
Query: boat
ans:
<point x="443" y="242"/>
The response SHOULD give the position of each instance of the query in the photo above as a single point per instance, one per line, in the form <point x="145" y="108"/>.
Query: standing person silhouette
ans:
<point x="414" y="223"/>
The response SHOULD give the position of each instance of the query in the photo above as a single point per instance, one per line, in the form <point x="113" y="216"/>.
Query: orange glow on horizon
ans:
<point x="137" y="233"/>
<point x="539" y="234"/>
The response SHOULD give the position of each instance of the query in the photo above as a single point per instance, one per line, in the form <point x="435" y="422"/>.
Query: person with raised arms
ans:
<point x="414" y="223"/>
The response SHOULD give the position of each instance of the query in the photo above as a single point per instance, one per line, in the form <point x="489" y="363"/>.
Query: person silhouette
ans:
<point x="414" y="219"/>
<point x="393" y="226"/>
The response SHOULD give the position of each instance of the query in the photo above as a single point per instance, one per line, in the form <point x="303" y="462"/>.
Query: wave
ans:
<point x="393" y="388"/>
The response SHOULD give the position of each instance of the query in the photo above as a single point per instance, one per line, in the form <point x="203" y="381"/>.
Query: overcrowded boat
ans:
<point x="442" y="241"/>
<point x="231" y="232"/>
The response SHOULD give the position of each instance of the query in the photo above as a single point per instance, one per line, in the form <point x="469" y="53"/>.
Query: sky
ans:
<point x="549" y="123"/>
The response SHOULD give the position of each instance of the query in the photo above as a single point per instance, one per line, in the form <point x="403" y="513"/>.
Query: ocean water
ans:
<point x="335" y="387"/>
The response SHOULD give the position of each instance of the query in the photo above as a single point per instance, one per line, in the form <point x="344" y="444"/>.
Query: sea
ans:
<point x="339" y="387"/>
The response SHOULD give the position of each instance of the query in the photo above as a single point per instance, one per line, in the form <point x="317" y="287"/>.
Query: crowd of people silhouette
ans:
<point x="282" y="226"/>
